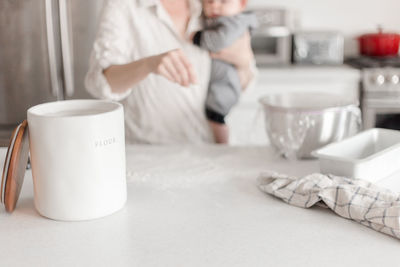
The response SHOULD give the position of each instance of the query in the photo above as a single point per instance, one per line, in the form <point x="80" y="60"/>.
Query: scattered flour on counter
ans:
<point x="187" y="167"/>
<point x="170" y="173"/>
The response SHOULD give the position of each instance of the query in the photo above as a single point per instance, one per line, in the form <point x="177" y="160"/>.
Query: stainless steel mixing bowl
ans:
<point x="298" y="123"/>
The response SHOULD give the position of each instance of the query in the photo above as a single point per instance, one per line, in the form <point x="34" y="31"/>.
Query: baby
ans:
<point x="224" y="23"/>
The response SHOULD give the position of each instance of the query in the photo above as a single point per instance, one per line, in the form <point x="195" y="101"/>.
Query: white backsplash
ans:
<point x="351" y="17"/>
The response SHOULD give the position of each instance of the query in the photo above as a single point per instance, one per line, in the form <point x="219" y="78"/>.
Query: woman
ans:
<point x="144" y="58"/>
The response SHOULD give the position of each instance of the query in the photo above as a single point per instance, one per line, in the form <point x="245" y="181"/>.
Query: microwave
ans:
<point x="318" y="47"/>
<point x="271" y="41"/>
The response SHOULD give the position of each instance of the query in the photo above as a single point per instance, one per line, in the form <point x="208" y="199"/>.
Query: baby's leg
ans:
<point x="220" y="132"/>
<point x="223" y="94"/>
<point x="217" y="124"/>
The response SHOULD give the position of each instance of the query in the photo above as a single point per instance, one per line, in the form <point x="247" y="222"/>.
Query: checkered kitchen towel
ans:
<point x="359" y="200"/>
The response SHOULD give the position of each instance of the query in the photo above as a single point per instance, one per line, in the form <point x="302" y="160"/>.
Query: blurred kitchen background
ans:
<point x="304" y="46"/>
<point x="350" y="17"/>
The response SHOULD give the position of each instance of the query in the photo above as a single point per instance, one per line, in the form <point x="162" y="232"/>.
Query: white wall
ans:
<point x="351" y="17"/>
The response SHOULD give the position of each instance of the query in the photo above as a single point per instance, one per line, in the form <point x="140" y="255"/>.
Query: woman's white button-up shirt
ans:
<point x="156" y="110"/>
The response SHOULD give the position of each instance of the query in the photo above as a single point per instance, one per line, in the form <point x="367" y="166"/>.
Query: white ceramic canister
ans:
<point x="78" y="158"/>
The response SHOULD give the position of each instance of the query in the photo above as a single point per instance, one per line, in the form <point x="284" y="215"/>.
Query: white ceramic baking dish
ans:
<point x="370" y="155"/>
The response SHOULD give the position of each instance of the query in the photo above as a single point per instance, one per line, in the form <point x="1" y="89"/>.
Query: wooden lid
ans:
<point x="15" y="166"/>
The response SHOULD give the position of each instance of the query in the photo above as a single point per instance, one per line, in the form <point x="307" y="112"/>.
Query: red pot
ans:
<point x="379" y="44"/>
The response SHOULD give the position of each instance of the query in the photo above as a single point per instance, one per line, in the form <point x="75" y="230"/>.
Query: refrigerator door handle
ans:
<point x="66" y="48"/>
<point x="51" y="49"/>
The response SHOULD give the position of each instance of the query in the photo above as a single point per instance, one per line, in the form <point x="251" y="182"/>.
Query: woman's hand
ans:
<point x="174" y="66"/>
<point x="241" y="56"/>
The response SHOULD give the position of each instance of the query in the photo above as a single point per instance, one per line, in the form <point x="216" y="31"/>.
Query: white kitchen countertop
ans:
<point x="313" y="73"/>
<point x="195" y="206"/>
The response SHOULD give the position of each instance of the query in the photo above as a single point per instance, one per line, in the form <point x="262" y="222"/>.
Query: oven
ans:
<point x="272" y="41"/>
<point x="380" y="101"/>
<point x="380" y="90"/>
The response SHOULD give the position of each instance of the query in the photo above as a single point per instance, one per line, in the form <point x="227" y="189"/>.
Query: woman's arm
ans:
<point x="225" y="31"/>
<point x="173" y="65"/>
<point x="241" y="56"/>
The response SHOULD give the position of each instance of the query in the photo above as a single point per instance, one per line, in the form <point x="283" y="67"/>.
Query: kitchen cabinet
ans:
<point x="195" y="206"/>
<point x="246" y="120"/>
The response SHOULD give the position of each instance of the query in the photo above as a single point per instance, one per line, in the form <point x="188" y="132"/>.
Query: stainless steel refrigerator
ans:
<point x="44" y="53"/>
